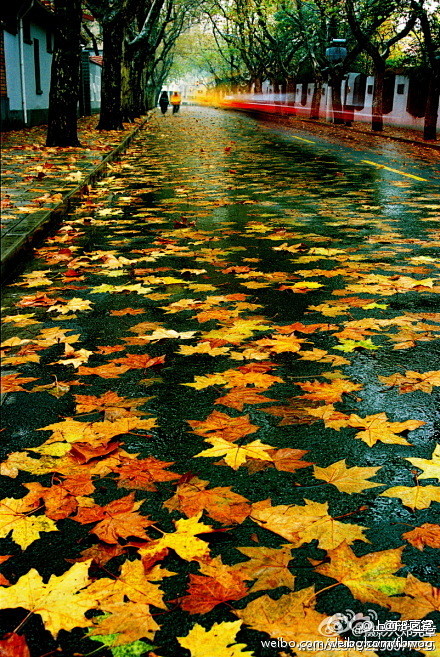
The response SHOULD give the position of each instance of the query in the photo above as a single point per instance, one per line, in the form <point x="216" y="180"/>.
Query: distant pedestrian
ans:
<point x="164" y="102"/>
<point x="176" y="99"/>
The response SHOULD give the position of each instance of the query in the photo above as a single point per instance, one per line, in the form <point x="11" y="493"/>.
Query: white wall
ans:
<point x="37" y="101"/>
<point x="13" y="79"/>
<point x="95" y="85"/>
<point x="12" y="59"/>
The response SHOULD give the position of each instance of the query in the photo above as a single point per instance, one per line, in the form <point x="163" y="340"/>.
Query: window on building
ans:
<point x="369" y="89"/>
<point x="37" y="69"/>
<point x="400" y="89"/>
<point x="26" y="30"/>
<point x="49" y="42"/>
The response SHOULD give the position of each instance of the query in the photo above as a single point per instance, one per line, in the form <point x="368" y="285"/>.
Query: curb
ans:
<point x="17" y="245"/>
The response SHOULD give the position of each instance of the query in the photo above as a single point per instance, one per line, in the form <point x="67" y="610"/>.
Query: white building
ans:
<point x="27" y="40"/>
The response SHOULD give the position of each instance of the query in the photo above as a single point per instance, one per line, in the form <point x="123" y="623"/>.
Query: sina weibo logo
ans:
<point x="338" y="624"/>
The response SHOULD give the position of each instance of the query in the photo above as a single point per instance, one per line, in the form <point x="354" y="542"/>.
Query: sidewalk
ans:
<point x="395" y="133"/>
<point x="39" y="183"/>
<point x="360" y="131"/>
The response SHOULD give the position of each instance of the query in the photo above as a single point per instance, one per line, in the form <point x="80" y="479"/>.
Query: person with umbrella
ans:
<point x="164" y="102"/>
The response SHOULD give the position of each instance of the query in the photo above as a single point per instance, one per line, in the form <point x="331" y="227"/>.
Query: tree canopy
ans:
<point x="237" y="44"/>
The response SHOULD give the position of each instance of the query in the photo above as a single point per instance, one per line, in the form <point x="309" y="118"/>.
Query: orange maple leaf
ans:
<point x="220" y="503"/>
<point x="104" y="349"/>
<point x="88" y="403"/>
<point x="218" y="584"/>
<point x="291" y="616"/>
<point x="279" y="344"/>
<point x="306" y="328"/>
<point x="224" y="426"/>
<point x="58" y="501"/>
<point x="288" y="459"/>
<point x="330" y="392"/>
<point x="141" y="474"/>
<point x="205" y="593"/>
<point x="139" y="361"/>
<point x="14" y="383"/>
<point x="238" y="397"/>
<point x="109" y="371"/>
<point x="84" y="452"/>
<point x="118" y="519"/>
<point x="14" y="645"/>
<point x="100" y="553"/>
<point x="268" y="567"/>
<point x="295" y="411"/>
<point x="37" y="299"/>
<point x="411" y="381"/>
<point x="127" y="311"/>
<point x="427" y="534"/>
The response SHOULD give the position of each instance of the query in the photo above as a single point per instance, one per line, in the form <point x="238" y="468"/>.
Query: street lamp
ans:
<point x="336" y="53"/>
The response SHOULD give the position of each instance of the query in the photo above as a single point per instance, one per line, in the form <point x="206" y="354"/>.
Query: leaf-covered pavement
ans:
<point x="36" y="177"/>
<point x="220" y="426"/>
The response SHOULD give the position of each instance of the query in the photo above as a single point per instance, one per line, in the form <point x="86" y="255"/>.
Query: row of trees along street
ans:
<point x="240" y="43"/>
<point x="138" y="37"/>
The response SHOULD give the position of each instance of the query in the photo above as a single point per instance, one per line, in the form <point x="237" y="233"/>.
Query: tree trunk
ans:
<point x="126" y="86"/>
<point x="151" y="96"/>
<point x="316" y="99"/>
<point x="131" y="96"/>
<point x="111" y="110"/>
<point x="377" y="109"/>
<point x="65" y="75"/>
<point x="336" y="83"/>
<point x="432" y="105"/>
<point x="290" y="85"/>
<point x="145" y="85"/>
<point x="258" y="86"/>
<point x="137" y="95"/>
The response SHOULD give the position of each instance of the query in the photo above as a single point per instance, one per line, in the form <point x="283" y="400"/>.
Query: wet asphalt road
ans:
<point x="239" y="231"/>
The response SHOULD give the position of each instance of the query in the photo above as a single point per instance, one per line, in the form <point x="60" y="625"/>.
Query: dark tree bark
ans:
<point x="336" y="84"/>
<point x="111" y="82"/>
<point x="65" y="75"/>
<point x="432" y="106"/>
<point x="128" y="86"/>
<point x="290" y="85"/>
<point x="365" y="35"/>
<point x="316" y="98"/>
<point x="431" y="35"/>
<point x="377" y="108"/>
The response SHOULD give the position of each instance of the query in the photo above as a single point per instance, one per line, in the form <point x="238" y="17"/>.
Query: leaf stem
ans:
<point x="327" y="588"/>
<point x="15" y="631"/>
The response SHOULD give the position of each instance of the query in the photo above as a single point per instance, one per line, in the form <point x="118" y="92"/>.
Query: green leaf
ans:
<point x="134" y="649"/>
<point x="351" y="345"/>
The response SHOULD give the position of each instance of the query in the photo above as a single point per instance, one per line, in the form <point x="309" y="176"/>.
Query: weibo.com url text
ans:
<point x="383" y="644"/>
